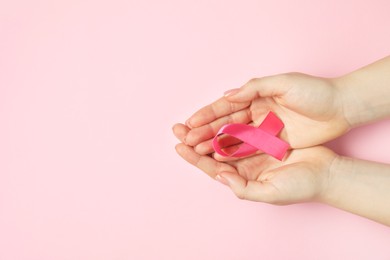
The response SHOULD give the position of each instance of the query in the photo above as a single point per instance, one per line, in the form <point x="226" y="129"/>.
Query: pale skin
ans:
<point x="314" y="110"/>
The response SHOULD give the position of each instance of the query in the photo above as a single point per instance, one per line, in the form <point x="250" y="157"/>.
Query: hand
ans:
<point x="311" y="109"/>
<point x="302" y="176"/>
<point x="314" y="110"/>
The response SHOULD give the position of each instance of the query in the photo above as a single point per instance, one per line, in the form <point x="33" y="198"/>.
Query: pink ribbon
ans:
<point x="262" y="138"/>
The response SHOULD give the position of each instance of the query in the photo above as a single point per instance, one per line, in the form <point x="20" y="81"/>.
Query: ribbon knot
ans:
<point x="255" y="138"/>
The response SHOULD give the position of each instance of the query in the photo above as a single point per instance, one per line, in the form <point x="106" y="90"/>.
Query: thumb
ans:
<point x="248" y="189"/>
<point x="260" y="87"/>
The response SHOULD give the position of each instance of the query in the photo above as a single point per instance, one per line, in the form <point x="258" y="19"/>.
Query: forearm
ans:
<point x="366" y="93"/>
<point x="360" y="187"/>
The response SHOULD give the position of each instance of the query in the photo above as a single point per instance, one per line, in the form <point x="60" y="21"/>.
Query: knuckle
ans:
<point x="252" y="82"/>
<point x="192" y="138"/>
<point x="286" y="79"/>
<point x="230" y="119"/>
<point x="240" y="195"/>
<point x="271" y="200"/>
<point x="232" y="107"/>
<point x="290" y="77"/>
<point x="293" y="74"/>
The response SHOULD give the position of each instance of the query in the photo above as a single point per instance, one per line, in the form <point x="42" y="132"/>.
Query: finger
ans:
<point x="208" y="131"/>
<point x="211" y="112"/>
<point x="180" y="131"/>
<point x="261" y="87"/>
<point x="250" y="189"/>
<point x="231" y="150"/>
<point x="205" y="163"/>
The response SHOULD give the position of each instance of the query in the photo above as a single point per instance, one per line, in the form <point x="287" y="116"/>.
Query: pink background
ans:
<point x="89" y="91"/>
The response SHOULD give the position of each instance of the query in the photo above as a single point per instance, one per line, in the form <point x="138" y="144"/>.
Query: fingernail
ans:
<point x="222" y="180"/>
<point x="188" y="123"/>
<point x="231" y="92"/>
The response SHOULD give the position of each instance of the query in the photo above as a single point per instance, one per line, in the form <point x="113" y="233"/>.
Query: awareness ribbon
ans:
<point x="255" y="138"/>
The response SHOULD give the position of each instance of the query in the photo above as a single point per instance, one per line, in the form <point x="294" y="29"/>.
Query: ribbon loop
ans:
<point x="262" y="138"/>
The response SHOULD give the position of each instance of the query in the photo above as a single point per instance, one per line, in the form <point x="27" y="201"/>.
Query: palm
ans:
<point x="300" y="177"/>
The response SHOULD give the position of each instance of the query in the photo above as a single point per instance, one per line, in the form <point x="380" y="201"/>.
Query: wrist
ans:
<point x="336" y="185"/>
<point x="350" y="105"/>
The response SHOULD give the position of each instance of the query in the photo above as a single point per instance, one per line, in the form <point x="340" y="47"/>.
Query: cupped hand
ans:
<point x="311" y="109"/>
<point x="302" y="176"/>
